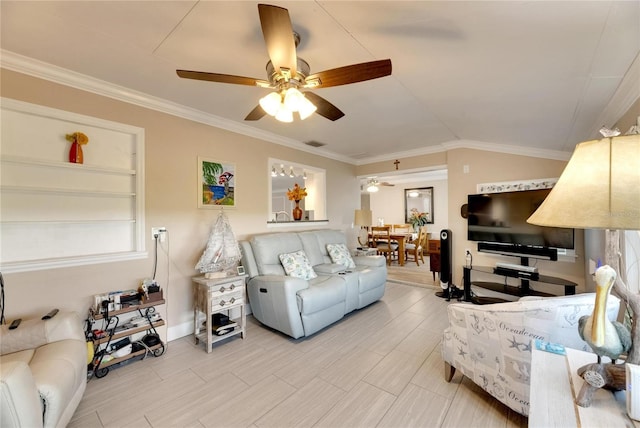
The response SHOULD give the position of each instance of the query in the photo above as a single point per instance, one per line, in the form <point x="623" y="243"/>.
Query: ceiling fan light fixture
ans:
<point x="307" y="108"/>
<point x="271" y="103"/>
<point x="293" y="99"/>
<point x="372" y="188"/>
<point x="414" y="194"/>
<point x="284" y="115"/>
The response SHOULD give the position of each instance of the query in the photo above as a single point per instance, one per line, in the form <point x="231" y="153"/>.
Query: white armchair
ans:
<point x="491" y="344"/>
<point x="43" y="371"/>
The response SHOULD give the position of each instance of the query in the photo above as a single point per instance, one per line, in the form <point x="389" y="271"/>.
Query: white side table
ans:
<point x="554" y="386"/>
<point x="211" y="296"/>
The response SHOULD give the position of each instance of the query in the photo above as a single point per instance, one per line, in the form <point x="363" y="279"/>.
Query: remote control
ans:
<point x="15" y="324"/>
<point x="50" y="314"/>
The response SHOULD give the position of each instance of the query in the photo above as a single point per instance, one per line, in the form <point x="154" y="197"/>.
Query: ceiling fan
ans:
<point x="287" y="73"/>
<point x="372" y="184"/>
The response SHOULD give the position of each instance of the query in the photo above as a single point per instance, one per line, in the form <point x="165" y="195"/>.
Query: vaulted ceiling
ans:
<point x="530" y="75"/>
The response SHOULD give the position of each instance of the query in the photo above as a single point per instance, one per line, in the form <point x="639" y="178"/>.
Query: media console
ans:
<point x="523" y="290"/>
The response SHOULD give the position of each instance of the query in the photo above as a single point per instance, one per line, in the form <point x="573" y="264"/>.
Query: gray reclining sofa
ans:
<point x="300" y="307"/>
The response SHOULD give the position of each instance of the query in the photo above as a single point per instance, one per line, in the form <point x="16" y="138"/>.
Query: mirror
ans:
<point x="418" y="201"/>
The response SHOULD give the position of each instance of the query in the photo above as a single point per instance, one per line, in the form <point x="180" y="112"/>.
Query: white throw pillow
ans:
<point x="339" y="254"/>
<point x="297" y="265"/>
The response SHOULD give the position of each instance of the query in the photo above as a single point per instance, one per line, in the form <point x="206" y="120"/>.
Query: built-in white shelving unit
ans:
<point x="55" y="213"/>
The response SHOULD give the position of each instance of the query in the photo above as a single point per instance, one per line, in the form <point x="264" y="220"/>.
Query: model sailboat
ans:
<point x="222" y="254"/>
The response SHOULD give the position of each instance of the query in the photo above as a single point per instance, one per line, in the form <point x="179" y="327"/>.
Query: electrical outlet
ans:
<point x="159" y="232"/>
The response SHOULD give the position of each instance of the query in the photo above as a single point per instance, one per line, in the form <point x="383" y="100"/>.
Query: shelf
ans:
<point x="67" y="165"/>
<point x="110" y="363"/>
<point x="128" y="332"/>
<point x="509" y="289"/>
<point x="541" y="278"/>
<point x="215" y="338"/>
<point x="523" y="290"/>
<point x="68" y="192"/>
<point x="130" y="309"/>
<point x="68" y="222"/>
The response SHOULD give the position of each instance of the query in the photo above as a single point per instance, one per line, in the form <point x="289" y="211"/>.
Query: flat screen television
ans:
<point x="501" y="218"/>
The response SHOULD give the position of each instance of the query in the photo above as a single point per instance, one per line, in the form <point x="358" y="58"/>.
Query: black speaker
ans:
<point x="449" y="290"/>
<point x="446" y="258"/>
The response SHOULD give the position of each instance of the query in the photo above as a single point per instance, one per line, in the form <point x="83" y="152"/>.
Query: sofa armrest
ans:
<point x="20" y="404"/>
<point x="371" y="261"/>
<point x="34" y="333"/>
<point x="273" y="300"/>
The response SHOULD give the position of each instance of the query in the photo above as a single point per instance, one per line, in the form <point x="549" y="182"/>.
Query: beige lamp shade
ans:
<point x="599" y="188"/>
<point x="363" y="218"/>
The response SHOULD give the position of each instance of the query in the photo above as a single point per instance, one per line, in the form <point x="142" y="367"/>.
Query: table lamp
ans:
<point x="363" y="218"/>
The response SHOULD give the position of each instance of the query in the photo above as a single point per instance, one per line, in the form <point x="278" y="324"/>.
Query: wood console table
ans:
<point x="554" y="386"/>
<point x="433" y="251"/>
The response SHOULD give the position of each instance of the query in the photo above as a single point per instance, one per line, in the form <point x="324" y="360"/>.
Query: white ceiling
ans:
<point x="530" y="75"/>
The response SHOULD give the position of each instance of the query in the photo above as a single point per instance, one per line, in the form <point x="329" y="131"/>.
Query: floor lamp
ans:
<point x="600" y="189"/>
<point x="363" y="218"/>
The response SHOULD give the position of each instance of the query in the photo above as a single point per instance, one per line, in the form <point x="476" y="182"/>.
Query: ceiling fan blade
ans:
<point x="349" y="74"/>
<point x="256" y="113"/>
<point x="324" y="107"/>
<point x="222" y="78"/>
<point x="278" y="36"/>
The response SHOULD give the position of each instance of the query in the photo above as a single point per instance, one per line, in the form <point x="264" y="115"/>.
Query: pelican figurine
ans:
<point x="606" y="338"/>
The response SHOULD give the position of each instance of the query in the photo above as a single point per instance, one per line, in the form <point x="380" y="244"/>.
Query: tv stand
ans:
<point x="523" y="290"/>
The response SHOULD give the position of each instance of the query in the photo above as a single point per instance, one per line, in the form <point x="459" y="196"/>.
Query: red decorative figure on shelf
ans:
<point x="77" y="139"/>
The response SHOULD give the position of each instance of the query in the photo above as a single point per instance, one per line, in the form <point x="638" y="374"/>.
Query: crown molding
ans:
<point x="476" y="145"/>
<point x="625" y="96"/>
<point x="46" y="71"/>
<point x="509" y="149"/>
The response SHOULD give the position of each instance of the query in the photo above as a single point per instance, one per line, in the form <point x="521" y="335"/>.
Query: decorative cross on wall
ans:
<point x="397" y="162"/>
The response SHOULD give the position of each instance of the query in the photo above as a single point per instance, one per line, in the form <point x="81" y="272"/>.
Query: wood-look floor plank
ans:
<point x="416" y="407"/>
<point x="365" y="406"/>
<point x="305" y="407"/>
<point x="303" y="370"/>
<point x="430" y="376"/>
<point x="163" y="393"/>
<point x="351" y="368"/>
<point x="263" y="397"/>
<point x="394" y="372"/>
<point x="188" y="408"/>
<point x="420" y="342"/>
<point x="473" y="407"/>
<point x="89" y="420"/>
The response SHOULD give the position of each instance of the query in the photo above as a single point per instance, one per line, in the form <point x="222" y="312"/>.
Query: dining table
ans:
<point x="401" y="238"/>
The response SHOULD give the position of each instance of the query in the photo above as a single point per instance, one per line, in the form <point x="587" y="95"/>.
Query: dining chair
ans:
<point x="414" y="248"/>
<point x="381" y="236"/>
<point x="402" y="228"/>
<point x="424" y="240"/>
